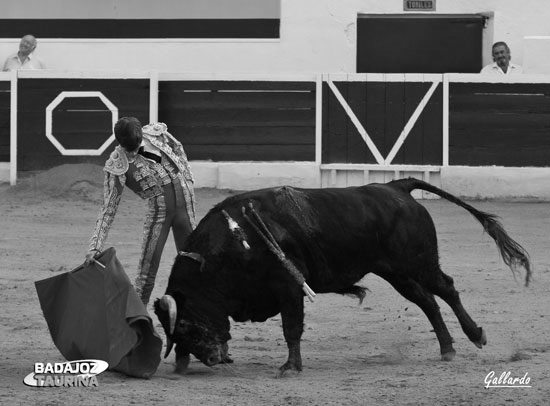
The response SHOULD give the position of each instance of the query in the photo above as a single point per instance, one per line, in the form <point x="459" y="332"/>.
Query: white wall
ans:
<point x="497" y="182"/>
<point x="537" y="54"/>
<point x="316" y="36"/>
<point x="531" y="184"/>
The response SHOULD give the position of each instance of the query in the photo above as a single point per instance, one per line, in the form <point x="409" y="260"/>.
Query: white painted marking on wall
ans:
<point x="445" y="160"/>
<point x="318" y="119"/>
<point x="13" y="128"/>
<point x="153" y="96"/>
<point x="49" y="123"/>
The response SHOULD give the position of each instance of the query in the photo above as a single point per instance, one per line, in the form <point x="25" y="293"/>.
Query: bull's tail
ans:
<point x="513" y="254"/>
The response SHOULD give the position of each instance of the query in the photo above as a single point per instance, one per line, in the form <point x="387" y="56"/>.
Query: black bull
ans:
<point x="334" y="237"/>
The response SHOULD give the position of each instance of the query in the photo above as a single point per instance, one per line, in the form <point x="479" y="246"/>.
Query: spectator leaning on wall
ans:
<point x="24" y="58"/>
<point x="502" y="64"/>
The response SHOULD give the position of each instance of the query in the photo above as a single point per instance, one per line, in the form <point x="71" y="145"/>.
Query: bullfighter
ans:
<point x="153" y="164"/>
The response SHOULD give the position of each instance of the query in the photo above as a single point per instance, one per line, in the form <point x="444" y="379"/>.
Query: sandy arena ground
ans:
<point x="379" y="353"/>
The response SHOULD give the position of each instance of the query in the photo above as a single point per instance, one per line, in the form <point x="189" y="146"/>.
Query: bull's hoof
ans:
<point x="289" y="373"/>
<point x="288" y="369"/>
<point x="226" y="360"/>
<point x="181" y="365"/>
<point x="448" y="356"/>
<point x="482" y="340"/>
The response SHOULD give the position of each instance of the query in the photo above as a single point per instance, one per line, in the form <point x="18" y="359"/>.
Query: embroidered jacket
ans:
<point x="143" y="177"/>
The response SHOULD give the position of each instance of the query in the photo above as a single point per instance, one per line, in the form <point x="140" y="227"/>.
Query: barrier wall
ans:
<point x="401" y="115"/>
<point x="504" y="124"/>
<point x="241" y="120"/>
<point x="63" y="121"/>
<point x="331" y="130"/>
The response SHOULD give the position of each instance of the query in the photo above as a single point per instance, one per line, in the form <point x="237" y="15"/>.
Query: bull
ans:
<point x="333" y="237"/>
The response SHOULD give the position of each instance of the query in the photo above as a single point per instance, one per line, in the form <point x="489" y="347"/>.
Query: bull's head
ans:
<point x="190" y="316"/>
<point x="191" y="336"/>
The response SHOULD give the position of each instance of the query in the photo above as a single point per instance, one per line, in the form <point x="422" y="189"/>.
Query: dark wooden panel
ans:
<point x="141" y="28"/>
<point x="481" y="120"/>
<point x="4" y="153"/>
<point x="5" y="104"/>
<point x="501" y="138"/>
<point x="82" y="84"/>
<point x="242" y="117"/>
<point x="244" y="135"/>
<point x="82" y="103"/>
<point x="376" y="112"/>
<point x="213" y="100"/>
<point x="499" y="124"/>
<point x="94" y="128"/>
<point x="489" y="156"/>
<point x="394" y="115"/>
<point x="499" y="147"/>
<point x="183" y="85"/>
<point x="412" y="148"/>
<point x="325" y="124"/>
<point x="36" y="152"/>
<point x="230" y="117"/>
<point x="498" y="102"/>
<point x="335" y="129"/>
<point x="357" y="149"/>
<point x="432" y="122"/>
<point x="251" y="152"/>
<point x="457" y="89"/>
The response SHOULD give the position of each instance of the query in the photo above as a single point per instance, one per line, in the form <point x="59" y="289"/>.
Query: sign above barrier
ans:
<point x="418" y="5"/>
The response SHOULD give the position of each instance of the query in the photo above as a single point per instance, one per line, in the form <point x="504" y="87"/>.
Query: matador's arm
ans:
<point x="113" y="186"/>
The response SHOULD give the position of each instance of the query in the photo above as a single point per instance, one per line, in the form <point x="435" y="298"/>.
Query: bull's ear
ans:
<point x="193" y="255"/>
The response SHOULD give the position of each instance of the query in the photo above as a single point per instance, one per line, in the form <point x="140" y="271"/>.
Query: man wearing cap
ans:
<point x="153" y="164"/>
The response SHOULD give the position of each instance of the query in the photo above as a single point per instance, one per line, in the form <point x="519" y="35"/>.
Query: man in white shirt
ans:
<point x="502" y="64"/>
<point x="23" y="59"/>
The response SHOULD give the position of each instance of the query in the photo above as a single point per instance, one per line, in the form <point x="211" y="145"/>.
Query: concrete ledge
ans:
<point x="497" y="182"/>
<point x="255" y="175"/>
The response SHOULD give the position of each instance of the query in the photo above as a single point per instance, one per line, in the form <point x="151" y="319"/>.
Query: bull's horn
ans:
<point x="169" y="345"/>
<point x="168" y="303"/>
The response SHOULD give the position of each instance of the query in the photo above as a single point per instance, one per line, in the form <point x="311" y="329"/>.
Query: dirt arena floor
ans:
<point x="381" y="352"/>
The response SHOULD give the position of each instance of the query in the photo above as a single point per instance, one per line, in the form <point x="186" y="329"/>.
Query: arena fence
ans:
<point x="250" y="130"/>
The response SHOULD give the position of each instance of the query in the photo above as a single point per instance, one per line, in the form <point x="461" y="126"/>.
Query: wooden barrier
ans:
<point x="503" y="124"/>
<point x="70" y="120"/>
<point x="241" y="120"/>
<point x="382" y="119"/>
<point x="354" y="128"/>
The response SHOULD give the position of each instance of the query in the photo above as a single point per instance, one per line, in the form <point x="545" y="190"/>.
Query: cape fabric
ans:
<point x="95" y="313"/>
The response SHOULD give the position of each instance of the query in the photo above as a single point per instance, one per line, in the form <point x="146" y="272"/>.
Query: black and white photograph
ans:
<point x="275" y="202"/>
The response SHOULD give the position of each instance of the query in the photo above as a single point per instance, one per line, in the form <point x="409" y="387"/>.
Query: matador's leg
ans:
<point x="181" y="225"/>
<point x="155" y="233"/>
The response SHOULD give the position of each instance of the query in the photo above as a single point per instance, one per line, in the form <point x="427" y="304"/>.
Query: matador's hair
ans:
<point x="128" y="133"/>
